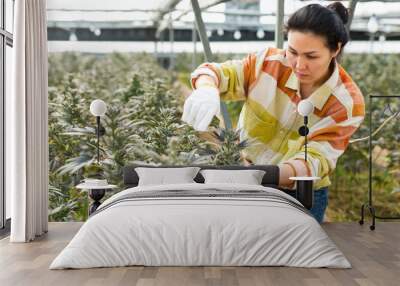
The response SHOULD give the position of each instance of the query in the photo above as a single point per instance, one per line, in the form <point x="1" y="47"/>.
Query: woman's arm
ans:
<point x="205" y="80"/>
<point x="232" y="78"/>
<point x="285" y="172"/>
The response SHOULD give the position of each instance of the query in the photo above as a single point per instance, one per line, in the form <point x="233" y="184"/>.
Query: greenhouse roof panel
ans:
<point x="117" y="10"/>
<point x="133" y="13"/>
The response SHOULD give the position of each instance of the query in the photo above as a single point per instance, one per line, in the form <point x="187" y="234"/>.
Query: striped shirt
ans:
<point x="269" y="118"/>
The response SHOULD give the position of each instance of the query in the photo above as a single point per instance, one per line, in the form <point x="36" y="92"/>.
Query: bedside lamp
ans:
<point x="304" y="186"/>
<point x="97" y="186"/>
<point x="98" y="108"/>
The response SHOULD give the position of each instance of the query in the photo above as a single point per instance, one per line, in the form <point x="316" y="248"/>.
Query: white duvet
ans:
<point x="200" y="231"/>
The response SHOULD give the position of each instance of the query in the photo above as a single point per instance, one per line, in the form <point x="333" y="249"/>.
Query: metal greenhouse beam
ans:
<point x="279" y="24"/>
<point x="207" y="52"/>
<point x="352" y="9"/>
<point x="202" y="7"/>
<point x="163" y="24"/>
<point x="170" y="5"/>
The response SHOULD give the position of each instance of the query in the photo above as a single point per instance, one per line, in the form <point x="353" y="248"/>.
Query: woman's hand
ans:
<point x="201" y="106"/>
<point x="285" y="172"/>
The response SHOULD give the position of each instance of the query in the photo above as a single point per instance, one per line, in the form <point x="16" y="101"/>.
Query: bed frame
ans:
<point x="270" y="179"/>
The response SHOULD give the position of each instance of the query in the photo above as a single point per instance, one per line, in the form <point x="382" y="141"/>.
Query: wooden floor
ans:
<point x="375" y="257"/>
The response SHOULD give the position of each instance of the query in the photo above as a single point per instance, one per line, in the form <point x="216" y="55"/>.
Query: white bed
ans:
<point x="271" y="229"/>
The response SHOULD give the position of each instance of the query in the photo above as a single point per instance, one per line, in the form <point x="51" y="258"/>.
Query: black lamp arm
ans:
<point x="98" y="138"/>
<point x="303" y="131"/>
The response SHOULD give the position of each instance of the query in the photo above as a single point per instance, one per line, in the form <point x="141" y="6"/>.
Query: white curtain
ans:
<point x="26" y="123"/>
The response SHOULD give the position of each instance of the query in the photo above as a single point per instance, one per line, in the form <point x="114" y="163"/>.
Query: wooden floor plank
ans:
<point x="375" y="258"/>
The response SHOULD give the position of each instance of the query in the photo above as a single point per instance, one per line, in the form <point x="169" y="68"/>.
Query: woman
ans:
<point x="272" y="83"/>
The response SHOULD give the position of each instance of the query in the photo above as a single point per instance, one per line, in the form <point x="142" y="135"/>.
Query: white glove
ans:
<point x="200" y="107"/>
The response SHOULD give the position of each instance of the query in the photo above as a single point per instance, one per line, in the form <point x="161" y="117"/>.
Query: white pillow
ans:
<point x="163" y="176"/>
<point x="249" y="177"/>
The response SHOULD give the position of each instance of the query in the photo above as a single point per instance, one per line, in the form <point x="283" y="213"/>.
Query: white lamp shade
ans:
<point x="260" y="33"/>
<point x="373" y="25"/>
<point x="305" y="107"/>
<point x="237" y="35"/>
<point x="98" y="107"/>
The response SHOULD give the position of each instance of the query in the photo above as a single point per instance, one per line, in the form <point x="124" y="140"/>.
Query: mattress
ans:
<point x="201" y="225"/>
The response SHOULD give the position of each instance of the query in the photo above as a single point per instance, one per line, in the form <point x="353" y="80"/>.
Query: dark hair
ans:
<point x="328" y="22"/>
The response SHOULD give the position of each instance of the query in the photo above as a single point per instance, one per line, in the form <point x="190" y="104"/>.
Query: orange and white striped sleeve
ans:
<point x="232" y="77"/>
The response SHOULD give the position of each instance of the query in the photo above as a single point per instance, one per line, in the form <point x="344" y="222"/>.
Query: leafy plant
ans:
<point x="142" y="124"/>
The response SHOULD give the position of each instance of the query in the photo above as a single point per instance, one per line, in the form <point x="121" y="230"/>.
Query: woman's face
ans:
<point x="309" y="57"/>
